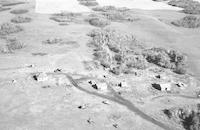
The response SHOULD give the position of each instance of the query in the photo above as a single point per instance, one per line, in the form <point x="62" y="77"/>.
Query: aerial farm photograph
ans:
<point x="99" y="64"/>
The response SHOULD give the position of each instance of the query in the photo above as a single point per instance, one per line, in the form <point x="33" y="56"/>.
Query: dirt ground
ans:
<point x="63" y="98"/>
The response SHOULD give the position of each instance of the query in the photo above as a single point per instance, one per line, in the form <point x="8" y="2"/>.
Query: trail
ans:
<point x="120" y="100"/>
<point x="173" y="95"/>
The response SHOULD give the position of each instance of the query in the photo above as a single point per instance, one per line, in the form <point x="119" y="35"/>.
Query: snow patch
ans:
<point x="58" y="6"/>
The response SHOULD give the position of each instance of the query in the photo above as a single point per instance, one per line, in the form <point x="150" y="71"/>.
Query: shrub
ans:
<point x="89" y="3"/>
<point x="91" y="65"/>
<point x="53" y="41"/>
<point x="21" y="19"/>
<point x="99" y="22"/>
<point x="188" y="22"/>
<point x="158" y="56"/>
<point x="64" y="17"/>
<point x="117" y="51"/>
<point x="39" y="54"/>
<point x="189" y="118"/>
<point x="118" y="16"/>
<point x="13" y="44"/>
<point x="180" y="3"/>
<point x="19" y="11"/>
<point x="159" y="0"/>
<point x="136" y="61"/>
<point x="121" y="53"/>
<point x="167" y="59"/>
<point x="68" y="14"/>
<point x="87" y="0"/>
<point x="8" y="28"/>
<point x="180" y="69"/>
<point x="60" y="19"/>
<point x="10" y="3"/>
<point x="60" y="41"/>
<point x="190" y="6"/>
<point x="4" y="9"/>
<point x="115" y="14"/>
<point x="105" y="8"/>
<point x="64" y="24"/>
<point x="191" y="121"/>
<point x="109" y="8"/>
<point x="194" y="9"/>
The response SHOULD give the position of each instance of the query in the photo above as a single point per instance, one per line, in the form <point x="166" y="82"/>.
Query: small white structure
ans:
<point x="58" y="6"/>
<point x="166" y="87"/>
<point x="41" y="77"/>
<point x="103" y="87"/>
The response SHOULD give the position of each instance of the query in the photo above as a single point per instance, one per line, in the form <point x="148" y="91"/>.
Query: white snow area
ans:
<point x="57" y="6"/>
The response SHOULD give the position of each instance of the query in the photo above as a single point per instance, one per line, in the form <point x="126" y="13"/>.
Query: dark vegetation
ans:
<point x="98" y="22"/>
<point x="60" y="19"/>
<point x="167" y="59"/>
<point x="19" y="11"/>
<point x="180" y="3"/>
<point x="189" y="118"/>
<point x="53" y="41"/>
<point x="121" y="53"/>
<point x="39" y="54"/>
<point x="67" y="14"/>
<point x="14" y="44"/>
<point x="91" y="65"/>
<point x="115" y="14"/>
<point x="8" y="28"/>
<point x="190" y="6"/>
<point x="65" y="17"/>
<point x="88" y="2"/>
<point x="64" y="24"/>
<point x="109" y="8"/>
<point x="188" y="22"/>
<point x="117" y="52"/>
<point x="60" y="41"/>
<point x="20" y="19"/>
<point x="4" y="9"/>
<point x="10" y="3"/>
<point x="160" y="0"/>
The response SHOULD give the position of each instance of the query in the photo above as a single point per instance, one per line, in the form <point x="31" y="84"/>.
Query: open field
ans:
<point x="86" y="66"/>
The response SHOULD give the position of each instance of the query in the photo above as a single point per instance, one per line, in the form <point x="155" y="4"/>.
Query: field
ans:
<point x="101" y="68"/>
